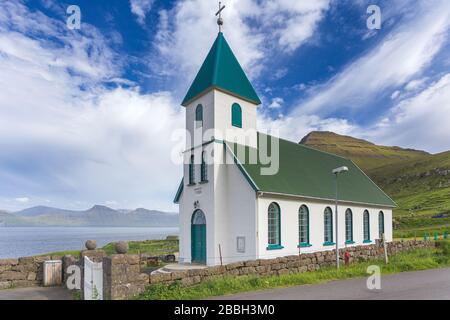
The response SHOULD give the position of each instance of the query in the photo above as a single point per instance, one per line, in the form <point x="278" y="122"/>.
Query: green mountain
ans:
<point x="364" y="153"/>
<point x="418" y="182"/>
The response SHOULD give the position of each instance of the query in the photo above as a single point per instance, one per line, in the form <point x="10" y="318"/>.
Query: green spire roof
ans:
<point x="221" y="70"/>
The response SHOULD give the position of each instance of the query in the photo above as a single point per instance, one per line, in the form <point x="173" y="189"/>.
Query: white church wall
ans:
<point x="204" y="194"/>
<point x="289" y="225"/>
<point x="222" y="119"/>
<point x="207" y="101"/>
<point x="240" y="216"/>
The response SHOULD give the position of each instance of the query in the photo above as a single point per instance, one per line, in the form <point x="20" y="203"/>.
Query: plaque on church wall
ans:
<point x="241" y="244"/>
<point x="198" y="190"/>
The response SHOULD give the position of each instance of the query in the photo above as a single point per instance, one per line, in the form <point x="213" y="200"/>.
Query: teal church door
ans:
<point x="198" y="237"/>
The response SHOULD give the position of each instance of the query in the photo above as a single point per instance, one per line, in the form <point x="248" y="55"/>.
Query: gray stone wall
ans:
<point x="28" y="271"/>
<point x="123" y="279"/>
<point x="23" y="272"/>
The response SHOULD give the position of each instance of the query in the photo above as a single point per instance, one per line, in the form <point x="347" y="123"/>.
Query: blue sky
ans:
<point x="88" y="116"/>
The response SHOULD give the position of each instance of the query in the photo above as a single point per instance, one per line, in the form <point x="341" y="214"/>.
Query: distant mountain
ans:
<point x="96" y="216"/>
<point x="417" y="181"/>
<point x="42" y="210"/>
<point x="365" y="154"/>
<point x="7" y="219"/>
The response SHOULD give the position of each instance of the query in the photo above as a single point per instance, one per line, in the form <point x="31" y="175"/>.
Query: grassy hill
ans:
<point x="419" y="182"/>
<point x="364" y="153"/>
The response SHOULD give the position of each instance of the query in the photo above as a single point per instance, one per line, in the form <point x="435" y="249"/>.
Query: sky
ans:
<point x="88" y="115"/>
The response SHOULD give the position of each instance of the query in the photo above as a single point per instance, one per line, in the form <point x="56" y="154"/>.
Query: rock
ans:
<point x="8" y="262"/>
<point x="13" y="275"/>
<point x="91" y="244"/>
<point x="26" y="260"/>
<point x="186" y="282"/>
<point x="122" y="247"/>
<point x="5" y="285"/>
<point x="252" y="263"/>
<point x="31" y="276"/>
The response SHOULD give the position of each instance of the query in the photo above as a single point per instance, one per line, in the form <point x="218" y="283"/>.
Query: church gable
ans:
<point x="306" y="172"/>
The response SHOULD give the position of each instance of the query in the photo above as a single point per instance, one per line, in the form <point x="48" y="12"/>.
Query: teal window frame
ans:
<point x="366" y="226"/>
<point x="203" y="169"/>
<point x="303" y="227"/>
<point x="328" y="226"/>
<point x="236" y="115"/>
<point x="191" y="171"/>
<point x="349" y="226"/>
<point x="199" y="116"/>
<point x="381" y="224"/>
<point x="274" y="227"/>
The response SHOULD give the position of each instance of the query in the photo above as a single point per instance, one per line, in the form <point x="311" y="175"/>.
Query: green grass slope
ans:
<point x="417" y="181"/>
<point x="364" y="153"/>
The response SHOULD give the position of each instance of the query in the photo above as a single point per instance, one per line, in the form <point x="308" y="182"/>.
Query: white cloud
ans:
<point x="295" y="129"/>
<point x="276" y="103"/>
<point x="416" y="84"/>
<point x="140" y="8"/>
<point x="420" y="121"/>
<point x="418" y="118"/>
<point x="22" y="199"/>
<point x="395" y="95"/>
<point x="402" y="55"/>
<point x="66" y="137"/>
<point x="186" y="32"/>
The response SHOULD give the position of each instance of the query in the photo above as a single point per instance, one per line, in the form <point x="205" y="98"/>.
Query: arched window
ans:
<point x="366" y="226"/>
<point x="191" y="170"/>
<point x="236" y="115"/>
<point x="204" y="168"/>
<point x="199" y="116"/>
<point x="381" y="224"/>
<point x="303" y="226"/>
<point x="328" y="226"/>
<point x="348" y="226"/>
<point x="274" y="226"/>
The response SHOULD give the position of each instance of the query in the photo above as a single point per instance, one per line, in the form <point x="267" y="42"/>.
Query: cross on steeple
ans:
<point x="219" y="13"/>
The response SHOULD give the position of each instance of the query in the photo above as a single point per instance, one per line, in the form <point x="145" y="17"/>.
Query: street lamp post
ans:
<point x="336" y="172"/>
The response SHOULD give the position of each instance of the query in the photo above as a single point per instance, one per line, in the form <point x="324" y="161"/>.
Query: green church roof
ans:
<point x="306" y="172"/>
<point x="221" y="70"/>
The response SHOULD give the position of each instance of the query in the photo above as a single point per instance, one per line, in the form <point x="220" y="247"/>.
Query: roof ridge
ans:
<point x="217" y="59"/>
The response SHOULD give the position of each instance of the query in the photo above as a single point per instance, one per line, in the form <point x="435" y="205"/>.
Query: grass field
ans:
<point x="410" y="261"/>
<point x="149" y="247"/>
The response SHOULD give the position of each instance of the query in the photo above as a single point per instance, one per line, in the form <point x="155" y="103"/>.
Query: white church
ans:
<point x="235" y="206"/>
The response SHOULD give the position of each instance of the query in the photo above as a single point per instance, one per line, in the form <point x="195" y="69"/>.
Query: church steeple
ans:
<point x="222" y="71"/>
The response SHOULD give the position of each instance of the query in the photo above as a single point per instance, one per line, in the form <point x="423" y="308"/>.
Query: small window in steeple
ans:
<point x="236" y="115"/>
<point x="199" y="116"/>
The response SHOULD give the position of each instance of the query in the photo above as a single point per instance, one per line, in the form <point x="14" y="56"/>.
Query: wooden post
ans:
<point x="386" y="259"/>
<point x="220" y="254"/>
<point x="140" y="261"/>
<point x="299" y="252"/>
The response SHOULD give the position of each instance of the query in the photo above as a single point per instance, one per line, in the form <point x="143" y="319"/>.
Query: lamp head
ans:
<point x="340" y="170"/>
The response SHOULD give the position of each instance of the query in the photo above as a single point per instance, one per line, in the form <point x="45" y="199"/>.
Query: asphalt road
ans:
<point x="36" y="293"/>
<point x="418" y="285"/>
